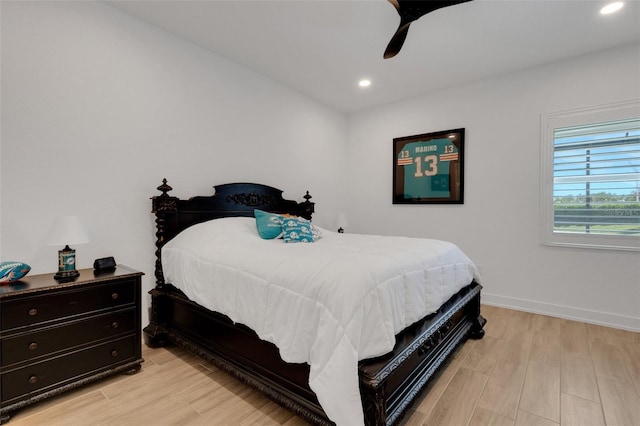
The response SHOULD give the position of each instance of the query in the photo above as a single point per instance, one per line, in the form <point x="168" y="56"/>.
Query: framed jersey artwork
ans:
<point x="429" y="168"/>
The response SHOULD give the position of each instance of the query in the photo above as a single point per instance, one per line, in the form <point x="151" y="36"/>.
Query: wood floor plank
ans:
<point x="577" y="376"/>
<point x="489" y="345"/>
<point x="295" y="421"/>
<point x="424" y="404"/>
<point x="574" y="336"/>
<point x="485" y="417"/>
<point x="480" y="362"/>
<point x="269" y="413"/>
<point x="497" y="323"/>
<point x="518" y="324"/>
<point x="455" y="406"/>
<point x="546" y="323"/>
<point x="176" y="372"/>
<point x="74" y="410"/>
<point x="201" y="394"/>
<point x="580" y="412"/>
<point x="412" y="418"/>
<point x="609" y="361"/>
<point x="525" y="418"/>
<point x="541" y="391"/>
<point x="517" y="348"/>
<point x="240" y="409"/>
<point x="463" y="350"/>
<point x="502" y="392"/>
<point x="610" y="335"/>
<point x="219" y="396"/>
<point x="545" y="345"/>
<point x="132" y="412"/>
<point x="510" y="348"/>
<point x="620" y="402"/>
<point x="631" y="351"/>
<point x="159" y="355"/>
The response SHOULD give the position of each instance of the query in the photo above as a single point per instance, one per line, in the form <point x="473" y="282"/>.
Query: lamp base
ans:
<point x="63" y="276"/>
<point x="66" y="265"/>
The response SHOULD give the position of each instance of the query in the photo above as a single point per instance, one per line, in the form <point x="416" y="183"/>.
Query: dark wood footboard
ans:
<point x="388" y="384"/>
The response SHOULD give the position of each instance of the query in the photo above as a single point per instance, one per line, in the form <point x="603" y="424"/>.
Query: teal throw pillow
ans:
<point x="297" y="230"/>
<point x="269" y="224"/>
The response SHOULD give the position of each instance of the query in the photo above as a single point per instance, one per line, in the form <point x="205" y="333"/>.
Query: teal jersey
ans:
<point x="426" y="167"/>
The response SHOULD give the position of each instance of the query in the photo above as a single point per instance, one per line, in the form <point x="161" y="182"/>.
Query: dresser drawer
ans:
<point x="74" y="366"/>
<point x="56" y="305"/>
<point x="27" y="346"/>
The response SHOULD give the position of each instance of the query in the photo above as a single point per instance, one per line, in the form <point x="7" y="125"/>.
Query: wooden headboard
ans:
<point x="173" y="215"/>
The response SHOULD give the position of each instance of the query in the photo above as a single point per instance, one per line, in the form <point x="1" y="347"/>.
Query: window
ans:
<point x="591" y="177"/>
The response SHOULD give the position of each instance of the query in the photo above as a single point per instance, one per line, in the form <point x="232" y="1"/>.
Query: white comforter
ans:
<point x="328" y="303"/>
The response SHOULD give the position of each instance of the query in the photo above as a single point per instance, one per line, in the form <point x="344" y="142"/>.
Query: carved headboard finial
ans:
<point x="164" y="188"/>
<point x="164" y="202"/>
<point x="309" y="208"/>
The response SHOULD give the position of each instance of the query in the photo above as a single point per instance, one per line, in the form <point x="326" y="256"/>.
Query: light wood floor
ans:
<point x="528" y="370"/>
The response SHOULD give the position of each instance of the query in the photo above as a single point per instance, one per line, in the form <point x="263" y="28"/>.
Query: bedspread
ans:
<point x="330" y="303"/>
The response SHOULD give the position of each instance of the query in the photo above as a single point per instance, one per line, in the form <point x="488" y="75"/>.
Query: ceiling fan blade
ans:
<point x="396" y="42"/>
<point x="409" y="11"/>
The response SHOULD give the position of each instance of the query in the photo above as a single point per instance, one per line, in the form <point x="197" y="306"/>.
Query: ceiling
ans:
<point x="322" y="48"/>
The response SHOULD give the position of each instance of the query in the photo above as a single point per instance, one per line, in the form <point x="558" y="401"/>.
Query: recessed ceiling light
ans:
<point x="364" y="83"/>
<point x="611" y="7"/>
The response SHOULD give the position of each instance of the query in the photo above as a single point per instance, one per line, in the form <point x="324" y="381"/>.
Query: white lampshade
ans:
<point x="67" y="230"/>
<point x="341" y="221"/>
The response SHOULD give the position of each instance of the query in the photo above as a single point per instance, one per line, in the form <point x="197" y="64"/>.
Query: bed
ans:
<point x="376" y="359"/>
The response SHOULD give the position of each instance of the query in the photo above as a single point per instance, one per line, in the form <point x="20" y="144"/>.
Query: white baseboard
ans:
<point x="592" y="317"/>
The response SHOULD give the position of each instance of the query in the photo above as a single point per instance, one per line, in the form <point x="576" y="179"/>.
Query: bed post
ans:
<point x="308" y="207"/>
<point x="164" y="206"/>
<point x="374" y="406"/>
<point x="478" y="321"/>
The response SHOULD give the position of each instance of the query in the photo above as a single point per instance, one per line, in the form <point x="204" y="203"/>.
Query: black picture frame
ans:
<point x="429" y="168"/>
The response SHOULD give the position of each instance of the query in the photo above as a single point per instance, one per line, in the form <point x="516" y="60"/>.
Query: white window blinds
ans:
<point x="596" y="178"/>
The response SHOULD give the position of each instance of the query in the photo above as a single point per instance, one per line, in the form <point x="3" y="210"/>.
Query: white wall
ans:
<point x="498" y="225"/>
<point x="98" y="107"/>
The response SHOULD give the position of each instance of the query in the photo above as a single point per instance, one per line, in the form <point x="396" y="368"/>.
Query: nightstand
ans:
<point x="55" y="337"/>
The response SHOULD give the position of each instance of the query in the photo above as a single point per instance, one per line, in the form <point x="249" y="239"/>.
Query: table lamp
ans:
<point x="64" y="231"/>
<point x="341" y="222"/>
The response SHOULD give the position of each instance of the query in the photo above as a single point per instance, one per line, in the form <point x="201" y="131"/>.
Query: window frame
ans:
<point x="569" y="118"/>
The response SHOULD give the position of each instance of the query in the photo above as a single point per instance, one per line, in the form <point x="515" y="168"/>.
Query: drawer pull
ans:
<point x="33" y="312"/>
<point x="114" y="296"/>
<point x="114" y="353"/>
<point x="114" y="324"/>
<point x="33" y="346"/>
<point x="33" y="379"/>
